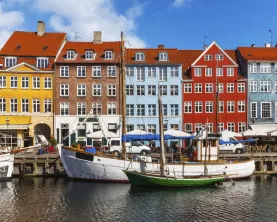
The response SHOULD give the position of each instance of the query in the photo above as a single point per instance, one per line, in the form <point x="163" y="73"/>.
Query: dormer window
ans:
<point x="70" y="54"/>
<point x="163" y="56"/>
<point x="10" y="61"/>
<point x="42" y="62"/>
<point x="89" y="55"/>
<point x="140" y="56"/>
<point x="208" y="57"/>
<point x="108" y="54"/>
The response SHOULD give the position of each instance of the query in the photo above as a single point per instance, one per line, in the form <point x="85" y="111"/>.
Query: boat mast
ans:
<point x="123" y="98"/>
<point x="216" y="98"/>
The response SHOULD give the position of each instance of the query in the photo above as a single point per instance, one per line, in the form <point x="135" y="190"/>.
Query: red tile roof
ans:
<point x="258" y="53"/>
<point x="99" y="49"/>
<point x="29" y="44"/>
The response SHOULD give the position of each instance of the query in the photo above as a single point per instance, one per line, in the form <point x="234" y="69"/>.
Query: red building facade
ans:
<point x="208" y="72"/>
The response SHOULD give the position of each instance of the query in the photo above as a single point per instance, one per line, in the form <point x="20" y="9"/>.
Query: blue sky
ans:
<point x="147" y="23"/>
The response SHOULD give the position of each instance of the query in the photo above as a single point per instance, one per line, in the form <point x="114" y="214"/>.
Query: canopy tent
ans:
<point x="99" y="134"/>
<point x="222" y="142"/>
<point x="138" y="132"/>
<point x="272" y="133"/>
<point x="260" y="130"/>
<point x="230" y="133"/>
<point x="176" y="133"/>
<point x="250" y="132"/>
<point x="149" y="137"/>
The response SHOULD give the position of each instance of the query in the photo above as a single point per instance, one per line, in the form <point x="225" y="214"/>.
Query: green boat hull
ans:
<point x="150" y="180"/>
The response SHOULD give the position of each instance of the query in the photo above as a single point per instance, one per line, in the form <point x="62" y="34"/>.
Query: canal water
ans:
<point x="41" y="199"/>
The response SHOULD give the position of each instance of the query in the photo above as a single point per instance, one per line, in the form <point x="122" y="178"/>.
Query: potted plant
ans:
<point x="53" y="143"/>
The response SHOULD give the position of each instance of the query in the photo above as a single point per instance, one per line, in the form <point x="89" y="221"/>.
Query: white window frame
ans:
<point x="198" y="106"/>
<point x="220" y="87"/>
<point x="42" y="62"/>
<point x="152" y="110"/>
<point x="163" y="90"/>
<point x="96" y="71"/>
<point x="208" y="87"/>
<point x="140" y="90"/>
<point x="70" y="54"/>
<point x="130" y="90"/>
<point x="231" y="126"/>
<point x="187" y="88"/>
<point x="140" y="110"/>
<point x="111" y="108"/>
<point x="241" y="106"/>
<point x="208" y="72"/>
<point x="36" y="105"/>
<point x="188" y="107"/>
<point x="14" y="80"/>
<point x="64" y="88"/>
<point x="270" y="112"/>
<point x="230" y="87"/>
<point x="25" y="108"/>
<point x="10" y="61"/>
<point x="111" y="71"/>
<point x="162" y="73"/>
<point x="140" y="56"/>
<point x="256" y="110"/>
<point x="47" y="105"/>
<point x="3" y="82"/>
<point x="221" y="107"/>
<point x="111" y="90"/>
<point x="241" y="87"/>
<point x="265" y="86"/>
<point x="163" y="56"/>
<point x="82" y="107"/>
<point x="219" y="57"/>
<point x="108" y="55"/>
<point x="198" y="87"/>
<point x="209" y="107"/>
<point x="82" y="72"/>
<point x="3" y="105"/>
<point x="174" y="71"/>
<point x="140" y="74"/>
<point x="130" y="109"/>
<point x="47" y="82"/>
<point x="219" y="71"/>
<point x="13" y="105"/>
<point x="96" y="90"/>
<point x="208" y="57"/>
<point x="152" y="90"/>
<point x="64" y="109"/>
<point x="231" y="106"/>
<point x="241" y="127"/>
<point x="174" y="109"/>
<point x="96" y="107"/>
<point x="81" y="90"/>
<point x="89" y="55"/>
<point x="188" y="127"/>
<point x="174" y="90"/>
<point x="230" y="71"/>
<point x="220" y="127"/>
<point x="197" y="72"/>
<point x="130" y="71"/>
<point x="253" y="86"/>
<point x="265" y="68"/>
<point x="64" y="71"/>
<point x="253" y="68"/>
<point x="36" y="82"/>
<point x="25" y="81"/>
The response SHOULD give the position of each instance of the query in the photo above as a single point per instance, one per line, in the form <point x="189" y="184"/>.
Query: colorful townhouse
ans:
<point x="148" y="73"/>
<point x="26" y="82"/>
<point x="259" y="64"/>
<point x="87" y="90"/>
<point x="207" y="73"/>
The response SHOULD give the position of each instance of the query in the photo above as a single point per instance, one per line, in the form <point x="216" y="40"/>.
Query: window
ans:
<point x="141" y="90"/>
<point x="174" y="91"/>
<point x="210" y="127"/>
<point x="275" y="68"/>
<point x="139" y="56"/>
<point x="187" y="107"/>
<point x="241" y="87"/>
<point x="140" y="74"/>
<point x="14" y="105"/>
<point x="265" y="86"/>
<point x="129" y="90"/>
<point x="151" y="72"/>
<point x="151" y="90"/>
<point x="81" y="108"/>
<point x="47" y="105"/>
<point x="254" y="111"/>
<point x="3" y="82"/>
<point x="275" y="86"/>
<point x="96" y="127"/>
<point x="108" y="54"/>
<point x="3" y="105"/>
<point x="89" y="54"/>
<point x="174" y="72"/>
<point x="221" y="88"/>
<point x="198" y="88"/>
<point x="174" y="109"/>
<point x="70" y="54"/>
<point x="188" y="127"/>
<point x="219" y="71"/>
<point x="141" y="127"/>
<point x="151" y="110"/>
<point x="253" y="68"/>
<point x="129" y="127"/>
<point x="64" y="71"/>
<point x="163" y="74"/>
<point x="36" y="105"/>
<point x="47" y="83"/>
<point x="163" y="90"/>
<point x="163" y="56"/>
<point x="265" y="109"/>
<point x="174" y="126"/>
<point x="230" y="106"/>
<point x="111" y="108"/>
<point x="96" y="90"/>
<point x="111" y="71"/>
<point x="81" y="90"/>
<point x="165" y="109"/>
<point x="231" y="127"/>
<point x="187" y="88"/>
<point x="198" y="107"/>
<point x="81" y="71"/>
<point x="42" y="62"/>
<point x="220" y="127"/>
<point x="64" y="90"/>
<point x="208" y="57"/>
<point x="198" y="127"/>
<point x="209" y="107"/>
<point x="13" y="81"/>
<point x="96" y="71"/>
<point x="208" y="71"/>
<point x="130" y="71"/>
<point x="36" y="83"/>
<point x="221" y="106"/>
<point x="64" y="109"/>
<point x="230" y="87"/>
<point x="230" y="71"/>
<point x="265" y="68"/>
<point x="96" y="108"/>
<point x="24" y="82"/>
<point x="111" y="90"/>
<point x="241" y="106"/>
<point x="140" y="110"/>
<point x="241" y="127"/>
<point x="24" y="105"/>
<point x="253" y="86"/>
<point x="151" y="128"/>
<point x="129" y="110"/>
<point x="197" y="71"/>
<point x="81" y="130"/>
<point x="10" y="61"/>
<point x="208" y="87"/>
<point x="219" y="57"/>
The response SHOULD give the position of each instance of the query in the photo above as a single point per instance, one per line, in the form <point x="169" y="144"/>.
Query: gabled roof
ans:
<point x="23" y="64"/>
<point x="258" y="53"/>
<point x="187" y="57"/>
<point x="29" y="44"/>
<point x="151" y="56"/>
<point x="81" y="47"/>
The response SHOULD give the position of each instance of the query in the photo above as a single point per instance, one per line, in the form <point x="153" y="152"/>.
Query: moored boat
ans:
<point x="6" y="165"/>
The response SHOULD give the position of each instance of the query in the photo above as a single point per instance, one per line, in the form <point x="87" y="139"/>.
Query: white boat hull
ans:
<point x="6" y="165"/>
<point x="103" y="168"/>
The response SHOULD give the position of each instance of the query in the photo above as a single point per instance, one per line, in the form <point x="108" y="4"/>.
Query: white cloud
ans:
<point x="180" y="3"/>
<point x="86" y="16"/>
<point x="9" y="21"/>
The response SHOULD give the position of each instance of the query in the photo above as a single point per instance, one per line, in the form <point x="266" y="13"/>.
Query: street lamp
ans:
<point x="7" y="122"/>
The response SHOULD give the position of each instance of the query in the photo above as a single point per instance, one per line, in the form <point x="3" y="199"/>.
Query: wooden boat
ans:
<point x="6" y="165"/>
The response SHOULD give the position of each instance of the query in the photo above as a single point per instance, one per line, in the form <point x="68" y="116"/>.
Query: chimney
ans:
<point x="267" y="45"/>
<point x="160" y="46"/>
<point x="97" y="37"/>
<point x="253" y="45"/>
<point x="40" y="28"/>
